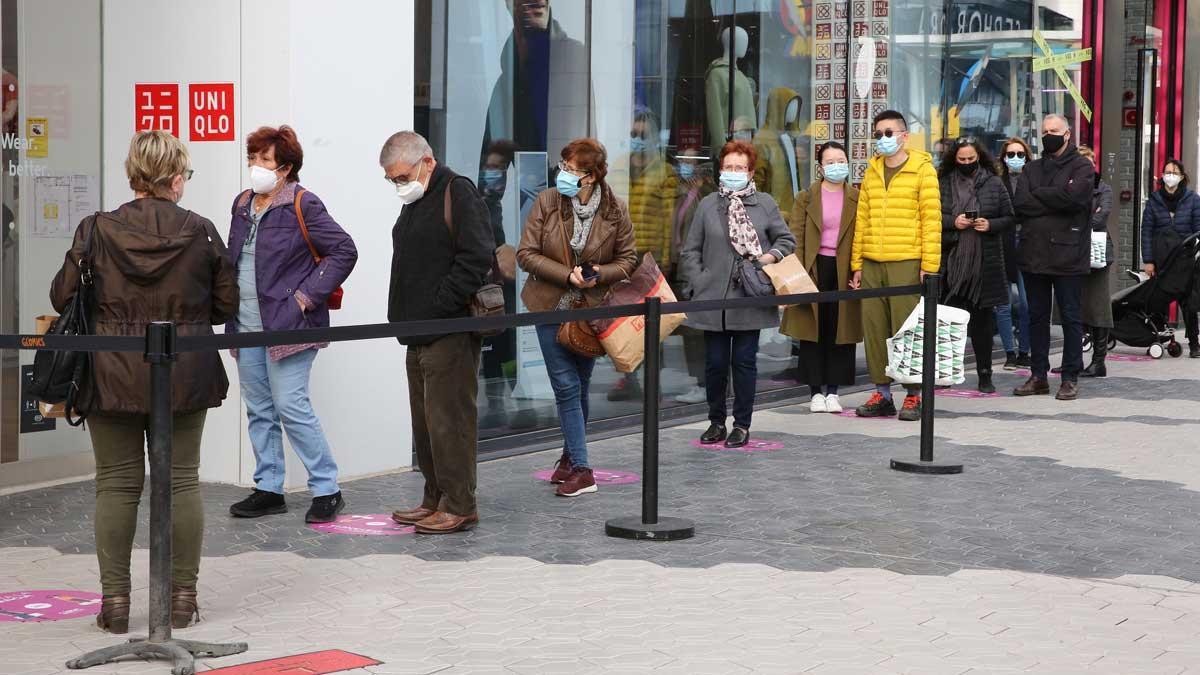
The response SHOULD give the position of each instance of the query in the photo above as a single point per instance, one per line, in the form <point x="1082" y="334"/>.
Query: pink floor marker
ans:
<point x="965" y="393"/>
<point x="367" y="525"/>
<point x="1129" y="357"/>
<point x="752" y="446"/>
<point x="35" y="606"/>
<point x="853" y="415"/>
<point x="601" y="476"/>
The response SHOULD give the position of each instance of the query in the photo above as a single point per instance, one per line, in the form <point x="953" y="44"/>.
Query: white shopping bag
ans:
<point x="1099" y="250"/>
<point x="906" y="347"/>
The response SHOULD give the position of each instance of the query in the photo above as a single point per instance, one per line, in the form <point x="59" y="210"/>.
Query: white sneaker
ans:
<point x="694" y="395"/>
<point x="832" y="404"/>
<point x="817" y="404"/>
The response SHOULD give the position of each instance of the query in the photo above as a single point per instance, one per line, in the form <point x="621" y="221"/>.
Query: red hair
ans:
<point x="587" y="154"/>
<point x="739" y="148"/>
<point x="287" y="148"/>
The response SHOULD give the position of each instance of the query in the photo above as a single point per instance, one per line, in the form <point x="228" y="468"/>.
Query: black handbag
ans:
<point x="488" y="300"/>
<point x="754" y="281"/>
<point x="60" y="375"/>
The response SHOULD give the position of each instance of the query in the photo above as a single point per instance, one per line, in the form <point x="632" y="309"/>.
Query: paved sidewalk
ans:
<point x="1069" y="545"/>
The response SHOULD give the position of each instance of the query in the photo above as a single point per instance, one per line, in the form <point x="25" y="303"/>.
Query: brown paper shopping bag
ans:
<point x="789" y="277"/>
<point x="624" y="338"/>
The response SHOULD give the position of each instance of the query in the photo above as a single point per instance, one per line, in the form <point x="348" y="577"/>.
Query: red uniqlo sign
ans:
<point x="211" y="111"/>
<point x="156" y="107"/>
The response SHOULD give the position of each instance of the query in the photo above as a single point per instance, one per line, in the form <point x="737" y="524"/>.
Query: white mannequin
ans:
<point x="741" y="43"/>
<point x="790" y="114"/>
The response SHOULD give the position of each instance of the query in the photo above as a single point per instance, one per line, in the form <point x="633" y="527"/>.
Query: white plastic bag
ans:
<point x="1099" y="250"/>
<point x="906" y="347"/>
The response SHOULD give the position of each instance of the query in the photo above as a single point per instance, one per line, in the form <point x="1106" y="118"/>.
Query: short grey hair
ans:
<point x="404" y="146"/>
<point x="1056" y="116"/>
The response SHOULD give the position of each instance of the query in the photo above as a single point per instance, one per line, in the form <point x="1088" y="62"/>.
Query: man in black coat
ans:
<point x="439" y="261"/>
<point x="1053" y="199"/>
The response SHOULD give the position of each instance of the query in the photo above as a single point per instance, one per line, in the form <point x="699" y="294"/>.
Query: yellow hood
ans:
<point x="777" y="103"/>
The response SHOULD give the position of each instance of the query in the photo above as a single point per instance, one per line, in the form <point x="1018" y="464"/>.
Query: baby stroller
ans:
<point x="1140" y="312"/>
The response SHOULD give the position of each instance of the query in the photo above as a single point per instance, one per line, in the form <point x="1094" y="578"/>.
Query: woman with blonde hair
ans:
<point x="153" y="261"/>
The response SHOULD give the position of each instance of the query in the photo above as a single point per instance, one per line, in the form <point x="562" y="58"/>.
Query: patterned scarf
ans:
<point x="742" y="234"/>
<point x="583" y="216"/>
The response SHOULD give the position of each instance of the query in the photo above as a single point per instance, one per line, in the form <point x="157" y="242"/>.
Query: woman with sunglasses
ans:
<point x="578" y="241"/>
<point x="1016" y="153"/>
<point x="976" y="212"/>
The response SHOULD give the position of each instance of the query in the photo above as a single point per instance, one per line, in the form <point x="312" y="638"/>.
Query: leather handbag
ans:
<point x="579" y="338"/>
<point x="334" y="301"/>
<point x="754" y="281"/>
<point x="61" y="375"/>
<point x="488" y="300"/>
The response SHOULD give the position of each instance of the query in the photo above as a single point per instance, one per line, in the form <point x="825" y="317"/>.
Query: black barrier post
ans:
<point x="160" y="354"/>
<point x="649" y="525"/>
<point x="931" y="290"/>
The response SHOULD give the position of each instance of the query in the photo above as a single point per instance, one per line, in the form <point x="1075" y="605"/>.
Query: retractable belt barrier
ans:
<point x="161" y="345"/>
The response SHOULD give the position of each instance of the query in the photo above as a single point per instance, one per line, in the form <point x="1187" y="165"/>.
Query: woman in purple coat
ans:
<point x="283" y="287"/>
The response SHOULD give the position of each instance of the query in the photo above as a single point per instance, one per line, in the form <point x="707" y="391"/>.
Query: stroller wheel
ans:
<point x="1175" y="350"/>
<point x="1087" y="343"/>
<point x="1112" y="343"/>
<point x="1155" y="351"/>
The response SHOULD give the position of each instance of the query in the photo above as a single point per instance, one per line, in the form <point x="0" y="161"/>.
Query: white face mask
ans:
<point x="1172" y="180"/>
<point x="262" y="180"/>
<point x="412" y="190"/>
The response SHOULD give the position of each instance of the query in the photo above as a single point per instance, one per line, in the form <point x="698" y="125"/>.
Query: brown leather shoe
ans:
<point x="184" y="607"/>
<point x="412" y="516"/>
<point x="1068" y="391"/>
<point x="114" y="614"/>
<point x="1033" y="387"/>
<point x="445" y="523"/>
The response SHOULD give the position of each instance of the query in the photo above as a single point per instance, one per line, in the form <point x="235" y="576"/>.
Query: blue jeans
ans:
<point x="570" y="377"/>
<point x="737" y="349"/>
<point x="1004" y="326"/>
<point x="277" y="392"/>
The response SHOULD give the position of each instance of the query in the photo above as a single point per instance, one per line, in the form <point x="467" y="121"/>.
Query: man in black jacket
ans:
<point x="439" y="261"/>
<point x="1053" y="200"/>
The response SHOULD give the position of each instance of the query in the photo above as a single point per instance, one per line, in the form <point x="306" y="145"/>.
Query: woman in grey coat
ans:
<point x="734" y="223"/>
<point x="1097" y="300"/>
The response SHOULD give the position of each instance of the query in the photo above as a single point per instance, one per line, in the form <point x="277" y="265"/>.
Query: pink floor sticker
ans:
<point x="34" y="606"/>
<point x="966" y="393"/>
<point x="752" y="446"/>
<point x="367" y="525"/>
<point x="853" y="415"/>
<point x="1129" y="357"/>
<point x="601" y="476"/>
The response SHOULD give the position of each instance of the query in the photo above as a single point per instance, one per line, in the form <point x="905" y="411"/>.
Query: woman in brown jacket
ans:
<point x="578" y="240"/>
<point x="823" y="222"/>
<point x="152" y="261"/>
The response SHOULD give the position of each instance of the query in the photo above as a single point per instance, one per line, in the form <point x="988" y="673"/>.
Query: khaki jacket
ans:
<point x="545" y="251"/>
<point x="800" y="321"/>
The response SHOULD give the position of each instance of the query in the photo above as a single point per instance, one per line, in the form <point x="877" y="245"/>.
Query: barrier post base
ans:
<point x="932" y="467"/>
<point x="181" y="652"/>
<point x="666" y="529"/>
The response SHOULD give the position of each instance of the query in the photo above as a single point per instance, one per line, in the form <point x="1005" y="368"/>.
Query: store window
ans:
<point x="502" y="85"/>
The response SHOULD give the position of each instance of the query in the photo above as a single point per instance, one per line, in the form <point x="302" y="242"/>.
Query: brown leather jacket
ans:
<point x="153" y="261"/>
<point x="545" y="251"/>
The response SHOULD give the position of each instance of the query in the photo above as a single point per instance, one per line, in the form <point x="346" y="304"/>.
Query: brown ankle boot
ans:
<point x="183" y="607"/>
<point x="114" y="614"/>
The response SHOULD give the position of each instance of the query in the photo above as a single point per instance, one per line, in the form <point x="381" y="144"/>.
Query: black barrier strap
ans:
<point x="200" y="343"/>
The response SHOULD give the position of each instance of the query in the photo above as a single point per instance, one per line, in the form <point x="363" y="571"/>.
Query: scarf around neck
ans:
<point x="964" y="278"/>
<point x="742" y="235"/>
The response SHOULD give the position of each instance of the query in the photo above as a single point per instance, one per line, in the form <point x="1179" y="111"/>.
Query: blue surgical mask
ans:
<point x="1015" y="164"/>
<point x="887" y="145"/>
<point x="836" y="173"/>
<point x="637" y="144"/>
<point x="567" y="184"/>
<point x="493" y="177"/>
<point x="734" y="180"/>
<point x="686" y="171"/>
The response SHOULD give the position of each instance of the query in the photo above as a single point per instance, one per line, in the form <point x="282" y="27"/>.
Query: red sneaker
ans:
<point x="911" y="412"/>
<point x="562" y="469"/>
<point x="580" y="482"/>
<point x="876" y="406"/>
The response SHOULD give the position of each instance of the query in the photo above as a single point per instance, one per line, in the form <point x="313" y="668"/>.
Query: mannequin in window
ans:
<point x="716" y="90"/>
<point x="776" y="144"/>
<point x="744" y="130"/>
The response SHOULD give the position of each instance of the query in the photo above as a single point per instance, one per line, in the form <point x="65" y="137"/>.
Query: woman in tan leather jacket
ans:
<point x="578" y="241"/>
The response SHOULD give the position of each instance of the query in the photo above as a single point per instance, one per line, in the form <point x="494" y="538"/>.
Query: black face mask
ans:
<point x="968" y="169"/>
<point x="1051" y="143"/>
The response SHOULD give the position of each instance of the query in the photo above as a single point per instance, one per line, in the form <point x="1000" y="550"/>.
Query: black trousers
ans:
<point x="1042" y="290"/>
<point x="736" y="350"/>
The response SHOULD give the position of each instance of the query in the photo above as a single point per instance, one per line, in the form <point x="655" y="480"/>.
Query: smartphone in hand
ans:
<point x="971" y="215"/>
<point x="589" y="271"/>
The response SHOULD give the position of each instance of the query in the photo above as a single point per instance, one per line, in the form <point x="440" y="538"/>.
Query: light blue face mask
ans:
<point x="836" y="173"/>
<point x="686" y="171"/>
<point x="1015" y="164"/>
<point x="493" y="176"/>
<point x="567" y="184"/>
<point x="887" y="145"/>
<point x="637" y="144"/>
<point x="734" y="180"/>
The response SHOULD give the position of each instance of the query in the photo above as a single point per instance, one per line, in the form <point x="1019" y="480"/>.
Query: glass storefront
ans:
<point x="502" y="85"/>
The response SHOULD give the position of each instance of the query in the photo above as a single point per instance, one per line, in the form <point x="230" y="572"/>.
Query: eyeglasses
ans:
<point x="580" y="173"/>
<point x="886" y="132"/>
<point x="1015" y="153"/>
<point x="187" y="175"/>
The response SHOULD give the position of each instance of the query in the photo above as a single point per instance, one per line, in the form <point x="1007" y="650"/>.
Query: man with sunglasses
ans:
<point x="1053" y="199"/>
<point x="897" y="241"/>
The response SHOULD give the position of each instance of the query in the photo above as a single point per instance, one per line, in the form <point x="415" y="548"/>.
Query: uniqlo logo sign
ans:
<point x="156" y="107"/>
<point x="210" y="111"/>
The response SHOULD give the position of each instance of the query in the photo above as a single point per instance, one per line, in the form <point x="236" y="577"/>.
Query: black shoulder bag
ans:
<point x="60" y="375"/>
<point x="488" y="300"/>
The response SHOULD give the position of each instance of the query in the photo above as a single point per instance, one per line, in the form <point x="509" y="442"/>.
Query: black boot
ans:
<point x="985" y="382"/>
<point x="1099" y="351"/>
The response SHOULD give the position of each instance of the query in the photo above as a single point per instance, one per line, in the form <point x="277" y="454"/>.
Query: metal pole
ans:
<point x="160" y="354"/>
<point x="650" y="413"/>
